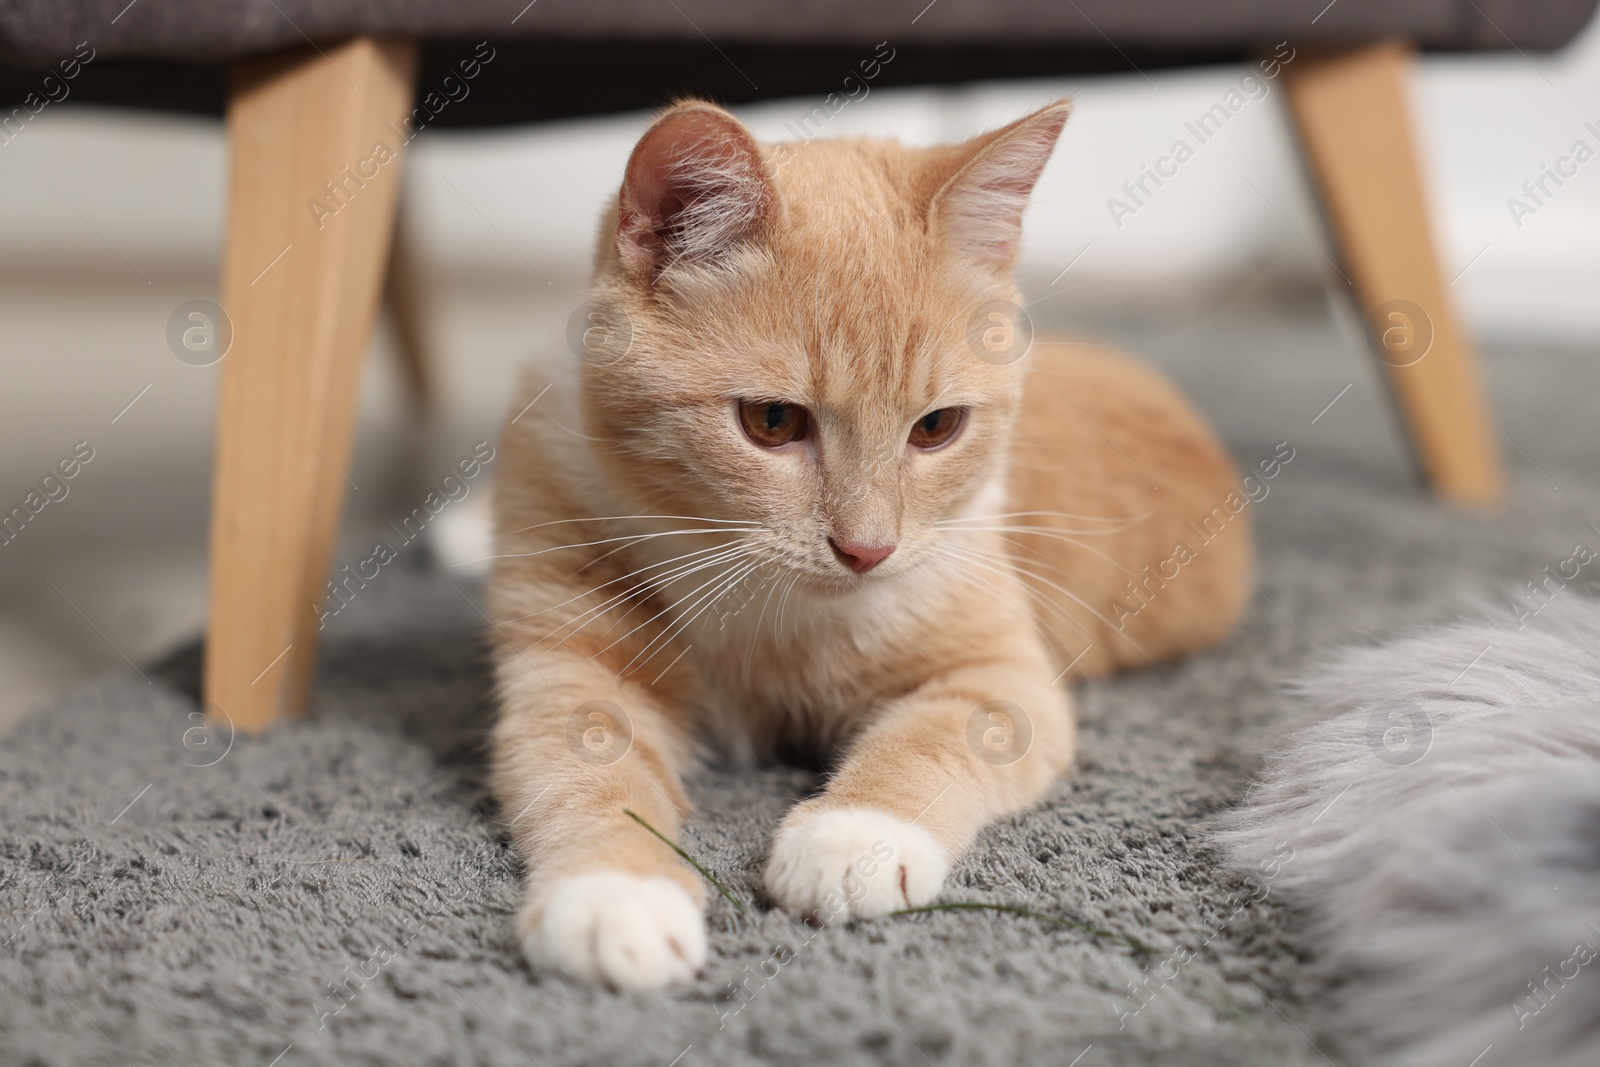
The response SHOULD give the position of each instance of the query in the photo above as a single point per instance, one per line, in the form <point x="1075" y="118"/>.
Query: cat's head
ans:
<point x="812" y="338"/>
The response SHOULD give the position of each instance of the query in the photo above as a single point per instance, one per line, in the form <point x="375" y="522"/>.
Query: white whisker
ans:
<point x="659" y="581"/>
<point x="783" y="604"/>
<point x="1022" y="571"/>
<point x="567" y="429"/>
<point x="1125" y="521"/>
<point x="721" y="587"/>
<point x="592" y="544"/>
<point x="621" y="518"/>
<point x="631" y="574"/>
<point x="755" y="633"/>
<point x="1008" y="570"/>
<point x="713" y="581"/>
<point x="1039" y="532"/>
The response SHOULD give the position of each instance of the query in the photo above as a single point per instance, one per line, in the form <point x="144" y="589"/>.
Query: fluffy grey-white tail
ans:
<point x="1441" y="823"/>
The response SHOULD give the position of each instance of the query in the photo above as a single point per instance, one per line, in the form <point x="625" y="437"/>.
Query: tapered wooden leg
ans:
<point x="1350" y="109"/>
<point x="316" y="144"/>
<point x="404" y="297"/>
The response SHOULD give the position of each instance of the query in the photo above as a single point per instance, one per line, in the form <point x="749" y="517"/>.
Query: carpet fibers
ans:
<point x="338" y="890"/>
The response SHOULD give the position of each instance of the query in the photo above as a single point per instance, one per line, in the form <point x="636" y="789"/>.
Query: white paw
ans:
<point x="854" y="863"/>
<point x="630" y="932"/>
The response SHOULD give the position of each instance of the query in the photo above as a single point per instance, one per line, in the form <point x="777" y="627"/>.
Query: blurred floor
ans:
<point x="116" y="570"/>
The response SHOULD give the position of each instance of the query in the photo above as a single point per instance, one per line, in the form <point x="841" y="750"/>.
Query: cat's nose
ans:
<point x="860" y="558"/>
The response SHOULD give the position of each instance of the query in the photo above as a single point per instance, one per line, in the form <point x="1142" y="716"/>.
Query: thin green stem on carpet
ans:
<point x="1139" y="947"/>
<point x="630" y="813"/>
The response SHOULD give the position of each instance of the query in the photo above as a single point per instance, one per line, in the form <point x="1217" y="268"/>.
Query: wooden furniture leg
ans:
<point x="316" y="144"/>
<point x="1350" y="110"/>
<point x="404" y="299"/>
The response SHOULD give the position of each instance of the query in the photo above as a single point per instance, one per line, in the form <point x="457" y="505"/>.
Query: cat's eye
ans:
<point x="771" y="423"/>
<point x="937" y="427"/>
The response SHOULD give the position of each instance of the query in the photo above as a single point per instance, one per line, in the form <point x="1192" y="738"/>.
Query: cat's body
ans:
<point x="676" y="561"/>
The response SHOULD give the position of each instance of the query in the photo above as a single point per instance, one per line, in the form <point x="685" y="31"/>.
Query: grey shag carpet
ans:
<point x="159" y="912"/>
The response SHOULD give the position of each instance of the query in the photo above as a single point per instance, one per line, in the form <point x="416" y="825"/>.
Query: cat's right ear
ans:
<point x="695" y="189"/>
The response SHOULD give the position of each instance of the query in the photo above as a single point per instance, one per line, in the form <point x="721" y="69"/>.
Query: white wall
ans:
<point x="496" y="201"/>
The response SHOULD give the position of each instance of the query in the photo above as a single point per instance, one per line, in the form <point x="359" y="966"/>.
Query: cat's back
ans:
<point x="1127" y="501"/>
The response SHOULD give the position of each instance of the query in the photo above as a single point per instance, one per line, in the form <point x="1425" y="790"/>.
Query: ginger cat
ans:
<point x="799" y="496"/>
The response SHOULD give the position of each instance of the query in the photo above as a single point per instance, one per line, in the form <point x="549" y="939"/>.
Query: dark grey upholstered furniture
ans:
<point x="309" y="85"/>
<point x="576" y="57"/>
<point x="209" y="31"/>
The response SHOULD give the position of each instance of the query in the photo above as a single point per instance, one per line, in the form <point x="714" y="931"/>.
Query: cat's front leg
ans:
<point x="606" y="901"/>
<point x="921" y="780"/>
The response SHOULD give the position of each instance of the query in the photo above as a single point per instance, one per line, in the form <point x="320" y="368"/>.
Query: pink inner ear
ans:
<point x="695" y="187"/>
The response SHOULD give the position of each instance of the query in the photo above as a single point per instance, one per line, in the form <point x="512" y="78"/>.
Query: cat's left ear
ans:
<point x="979" y="210"/>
